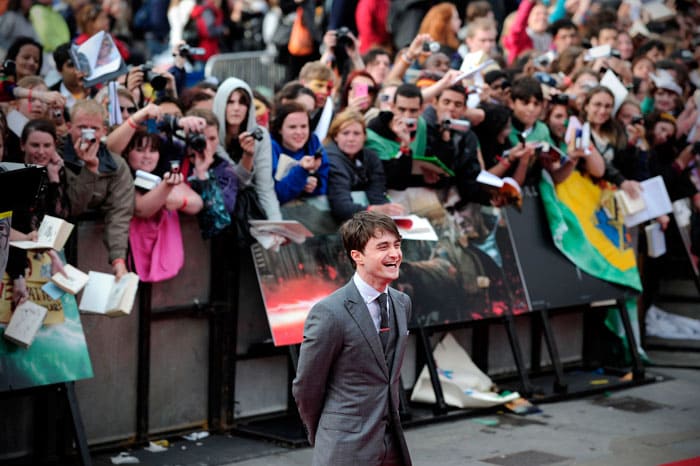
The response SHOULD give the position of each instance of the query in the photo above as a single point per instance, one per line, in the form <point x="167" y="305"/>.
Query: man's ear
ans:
<point x="357" y="256"/>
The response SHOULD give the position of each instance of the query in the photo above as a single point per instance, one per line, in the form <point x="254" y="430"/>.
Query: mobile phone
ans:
<point x="361" y="89"/>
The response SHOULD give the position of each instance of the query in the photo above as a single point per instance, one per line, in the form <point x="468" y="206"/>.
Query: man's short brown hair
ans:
<point x="364" y="225"/>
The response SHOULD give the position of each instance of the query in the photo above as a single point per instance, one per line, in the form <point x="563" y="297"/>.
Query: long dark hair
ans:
<point x="20" y="42"/>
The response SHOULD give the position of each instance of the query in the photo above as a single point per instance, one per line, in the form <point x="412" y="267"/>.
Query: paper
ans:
<point x="145" y="180"/>
<point x="52" y="290"/>
<point x="656" y="200"/>
<point x="284" y="164"/>
<point x="5" y="227"/>
<point x="324" y="122"/>
<point x="629" y="205"/>
<point x="612" y="82"/>
<point x="419" y="228"/>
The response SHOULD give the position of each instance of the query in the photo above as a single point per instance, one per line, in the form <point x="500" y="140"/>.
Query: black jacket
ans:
<point x="364" y="173"/>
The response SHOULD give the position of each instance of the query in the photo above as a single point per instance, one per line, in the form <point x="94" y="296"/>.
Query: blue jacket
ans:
<point x="291" y="185"/>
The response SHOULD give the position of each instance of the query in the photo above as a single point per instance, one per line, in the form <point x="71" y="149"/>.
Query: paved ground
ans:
<point x="647" y="425"/>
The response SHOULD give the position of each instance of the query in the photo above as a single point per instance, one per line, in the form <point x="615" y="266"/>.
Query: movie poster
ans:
<point x="469" y="273"/>
<point x="59" y="352"/>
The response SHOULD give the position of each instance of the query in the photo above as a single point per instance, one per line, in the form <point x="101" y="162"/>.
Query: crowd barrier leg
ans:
<point x="559" y="385"/>
<point x="144" y="362"/>
<point x="440" y="406"/>
<point x="526" y="386"/>
<point x="637" y="365"/>
<point x="77" y="424"/>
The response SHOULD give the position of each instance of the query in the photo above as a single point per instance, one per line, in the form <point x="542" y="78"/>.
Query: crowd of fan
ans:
<point x="224" y="149"/>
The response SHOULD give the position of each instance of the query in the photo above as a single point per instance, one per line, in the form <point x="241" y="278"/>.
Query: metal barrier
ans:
<point x="255" y="68"/>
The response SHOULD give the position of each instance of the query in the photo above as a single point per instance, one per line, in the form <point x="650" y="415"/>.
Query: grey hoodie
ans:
<point x="261" y="176"/>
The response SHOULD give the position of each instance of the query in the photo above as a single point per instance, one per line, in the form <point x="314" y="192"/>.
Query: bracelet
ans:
<point x="405" y="59"/>
<point x="184" y="203"/>
<point x="131" y="123"/>
<point x="504" y="161"/>
<point x="117" y="261"/>
<point x="405" y="150"/>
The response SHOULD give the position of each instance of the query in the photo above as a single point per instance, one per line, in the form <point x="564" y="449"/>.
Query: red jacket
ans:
<point x="371" y="17"/>
<point x="517" y="40"/>
<point x="209" y="20"/>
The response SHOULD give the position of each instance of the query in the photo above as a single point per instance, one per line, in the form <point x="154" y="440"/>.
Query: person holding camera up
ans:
<point x="154" y="231"/>
<point x="212" y="175"/>
<point x="246" y="143"/>
<point x="399" y="134"/>
<point x="451" y="140"/>
<point x="98" y="179"/>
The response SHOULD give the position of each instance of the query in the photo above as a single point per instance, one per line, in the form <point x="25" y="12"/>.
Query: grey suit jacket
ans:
<point x="343" y="386"/>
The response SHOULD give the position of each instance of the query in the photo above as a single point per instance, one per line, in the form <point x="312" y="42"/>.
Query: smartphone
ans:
<point x="361" y="89"/>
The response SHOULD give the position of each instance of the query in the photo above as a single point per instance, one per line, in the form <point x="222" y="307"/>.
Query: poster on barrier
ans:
<point x="59" y="352"/>
<point x="469" y="273"/>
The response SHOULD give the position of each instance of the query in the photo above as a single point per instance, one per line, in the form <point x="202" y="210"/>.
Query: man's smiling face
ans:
<point x="378" y="264"/>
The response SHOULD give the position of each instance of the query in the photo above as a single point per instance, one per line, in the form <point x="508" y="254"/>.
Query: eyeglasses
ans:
<point x="129" y="110"/>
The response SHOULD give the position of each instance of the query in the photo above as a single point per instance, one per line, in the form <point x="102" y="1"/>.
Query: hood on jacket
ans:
<point x="221" y="99"/>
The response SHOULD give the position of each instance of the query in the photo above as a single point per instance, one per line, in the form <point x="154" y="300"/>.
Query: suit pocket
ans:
<point x="341" y="422"/>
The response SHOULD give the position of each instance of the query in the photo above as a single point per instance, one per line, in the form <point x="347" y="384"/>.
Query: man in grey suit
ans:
<point x="347" y="382"/>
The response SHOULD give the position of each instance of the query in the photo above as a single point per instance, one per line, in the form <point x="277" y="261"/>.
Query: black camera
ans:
<point x="8" y="68"/>
<point x="432" y="47"/>
<point x="186" y="51"/>
<point x="157" y="81"/>
<point x="169" y="125"/>
<point x="257" y="134"/>
<point x="559" y="99"/>
<point x="696" y="148"/>
<point x="637" y="120"/>
<point x="342" y="33"/>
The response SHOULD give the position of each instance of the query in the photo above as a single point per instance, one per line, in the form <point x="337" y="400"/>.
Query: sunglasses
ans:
<point x="129" y="110"/>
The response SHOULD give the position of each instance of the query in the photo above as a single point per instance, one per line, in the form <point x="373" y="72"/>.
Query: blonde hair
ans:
<point x="343" y="119"/>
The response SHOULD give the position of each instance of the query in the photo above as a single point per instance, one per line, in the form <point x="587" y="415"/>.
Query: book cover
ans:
<point x="104" y="295"/>
<point x="430" y="163"/>
<point x="25" y="323"/>
<point x="413" y="227"/>
<point x="99" y="58"/>
<point x="284" y="164"/>
<point x="53" y="234"/>
<point x="73" y="283"/>
<point x="629" y="205"/>
<point x="291" y="229"/>
<point x="656" y="240"/>
<point x="506" y="187"/>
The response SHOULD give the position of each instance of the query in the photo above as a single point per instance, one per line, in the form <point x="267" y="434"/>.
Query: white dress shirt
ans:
<point x="370" y="295"/>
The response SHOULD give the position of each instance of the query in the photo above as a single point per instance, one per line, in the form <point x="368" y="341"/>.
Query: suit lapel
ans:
<point x="357" y="308"/>
<point x="401" y="324"/>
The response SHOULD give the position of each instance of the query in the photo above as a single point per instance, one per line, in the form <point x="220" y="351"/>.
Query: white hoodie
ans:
<point x="261" y="176"/>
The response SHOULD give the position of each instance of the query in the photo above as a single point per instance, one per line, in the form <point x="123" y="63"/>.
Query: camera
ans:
<point x="174" y="166"/>
<point x="456" y="125"/>
<point x="8" y="68"/>
<point x="169" y="125"/>
<point x="696" y="148"/>
<point x="88" y="135"/>
<point x="57" y="113"/>
<point x="637" y="120"/>
<point x="546" y="79"/>
<point x="559" y="99"/>
<point x="342" y="32"/>
<point x="410" y="123"/>
<point x="257" y="134"/>
<point x="157" y="81"/>
<point x="545" y="59"/>
<point x="432" y="47"/>
<point x="186" y="51"/>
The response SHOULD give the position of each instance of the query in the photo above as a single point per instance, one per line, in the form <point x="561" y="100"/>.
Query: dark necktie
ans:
<point x="384" y="320"/>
